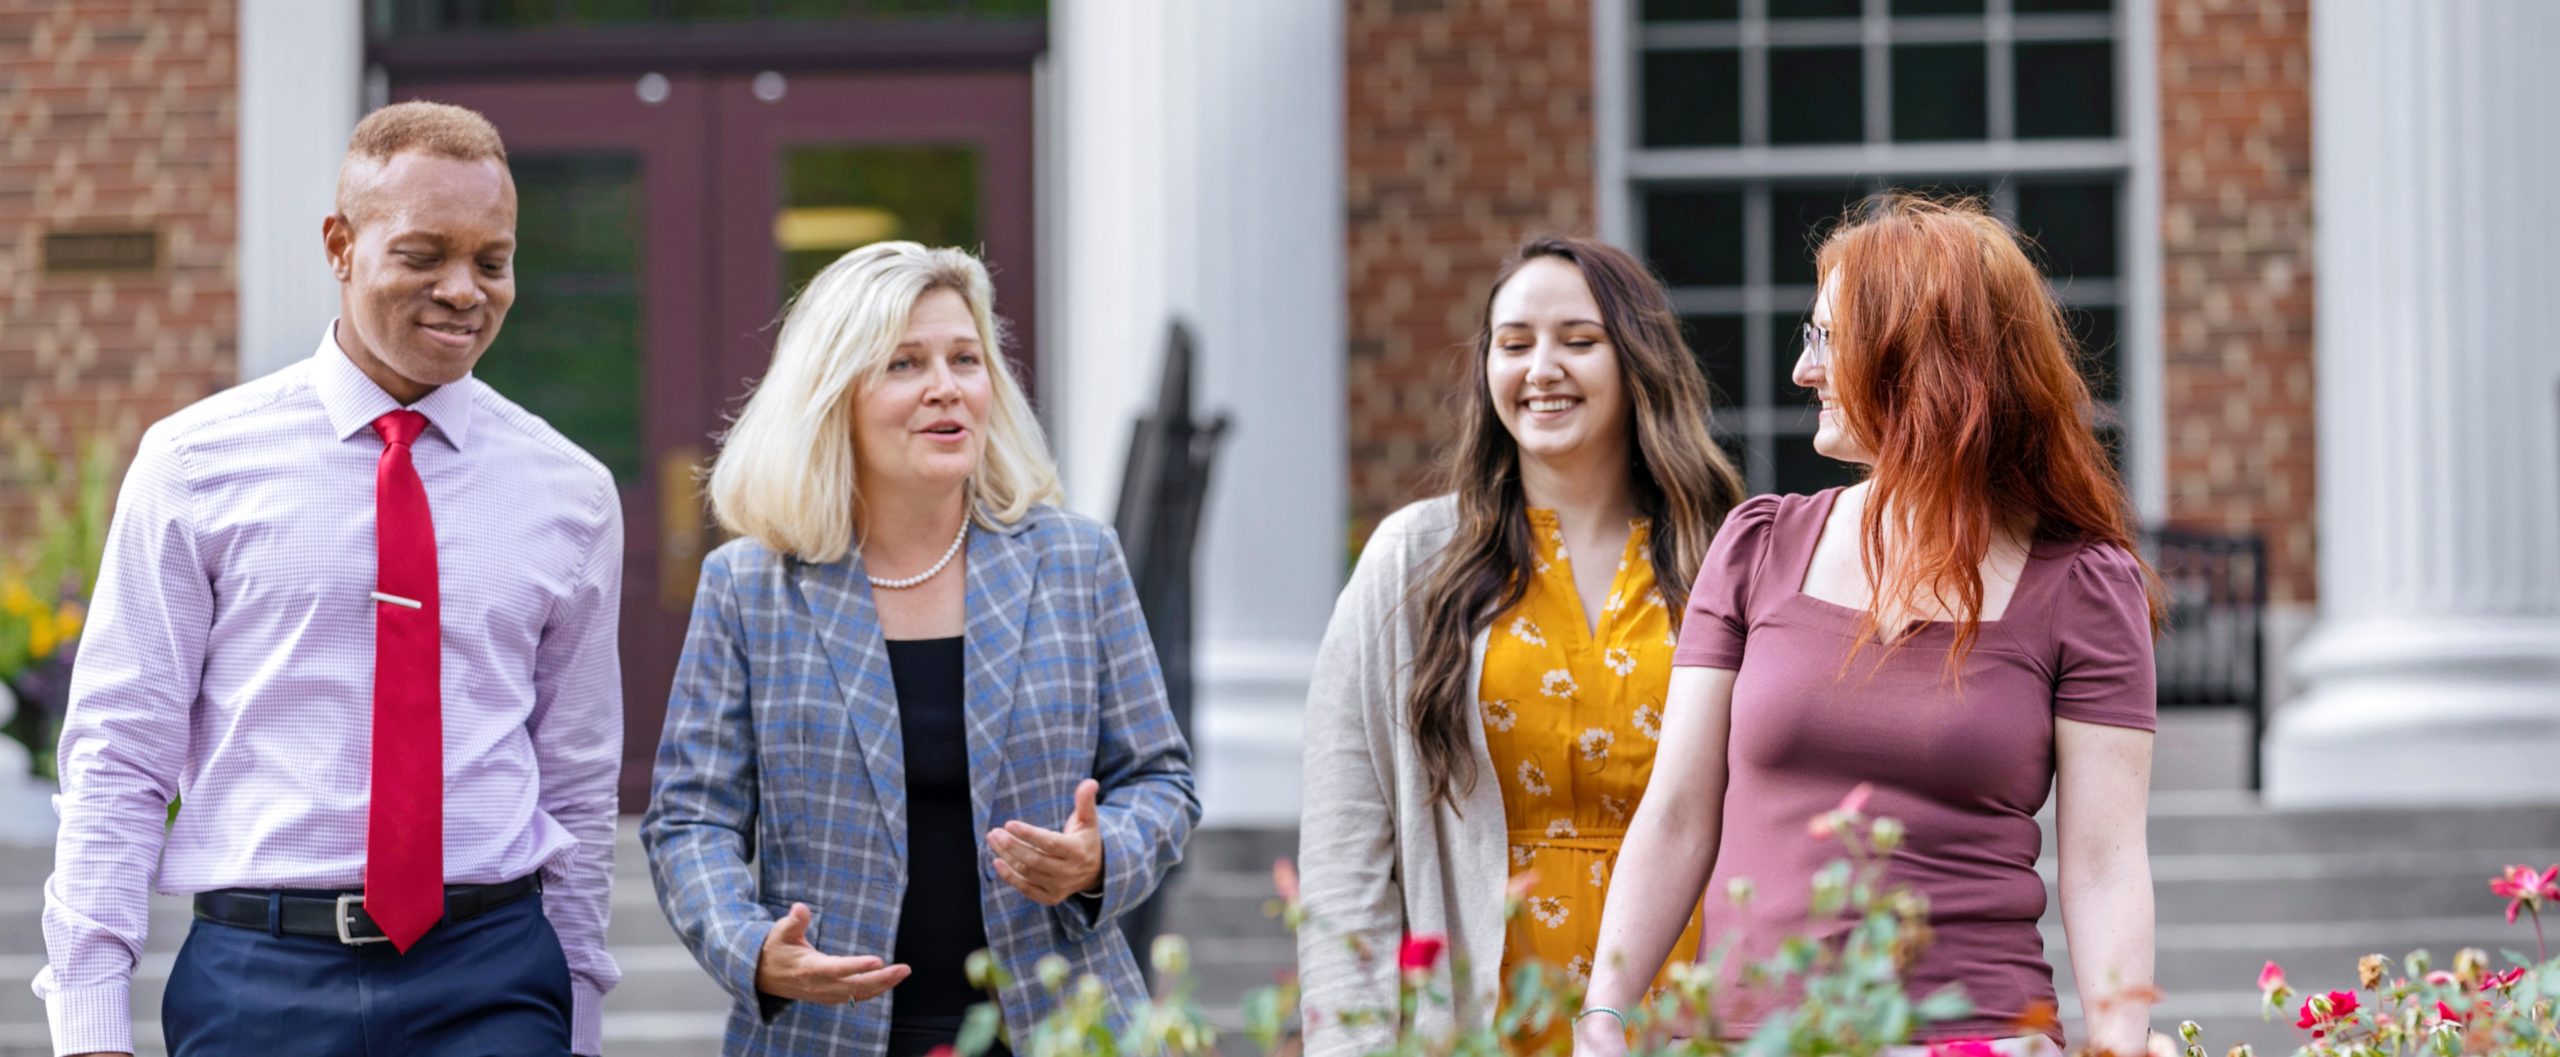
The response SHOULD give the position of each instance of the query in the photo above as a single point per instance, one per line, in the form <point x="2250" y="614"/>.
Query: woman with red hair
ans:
<point x="1966" y="630"/>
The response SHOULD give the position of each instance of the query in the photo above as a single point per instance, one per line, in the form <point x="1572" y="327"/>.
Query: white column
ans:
<point x="2434" y="673"/>
<point x="301" y="80"/>
<point x="1200" y="147"/>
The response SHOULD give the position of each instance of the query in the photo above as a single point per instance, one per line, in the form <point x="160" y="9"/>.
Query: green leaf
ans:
<point x="1894" y="1025"/>
<point x="1945" y="1003"/>
<point x="977" y="1030"/>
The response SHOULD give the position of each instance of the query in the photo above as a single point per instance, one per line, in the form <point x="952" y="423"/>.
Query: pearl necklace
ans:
<point x="911" y="581"/>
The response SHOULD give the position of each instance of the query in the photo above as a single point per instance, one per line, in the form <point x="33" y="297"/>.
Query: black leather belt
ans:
<point x="340" y="915"/>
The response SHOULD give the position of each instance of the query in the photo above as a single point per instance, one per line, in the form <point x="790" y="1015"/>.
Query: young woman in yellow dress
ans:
<point x="1489" y="692"/>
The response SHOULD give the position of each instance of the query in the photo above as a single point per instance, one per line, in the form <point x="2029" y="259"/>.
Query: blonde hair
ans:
<point x="439" y="129"/>
<point x="785" y="472"/>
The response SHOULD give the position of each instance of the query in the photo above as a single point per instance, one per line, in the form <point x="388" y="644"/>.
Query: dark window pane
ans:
<point x="1937" y="7"/>
<point x="1813" y="8"/>
<point x="604" y="11"/>
<point x="2040" y="7"/>
<point x="1939" y="92"/>
<point x="517" y="14"/>
<point x="2073" y="225"/>
<point x="1693" y="98"/>
<point x="1803" y="470"/>
<point x="573" y="352"/>
<point x="1736" y="451"/>
<point x="836" y="199"/>
<point x="1695" y="237"/>
<point x="1798" y="219"/>
<point x="1786" y="342"/>
<point x="1816" y="95"/>
<point x="2066" y="89"/>
<point x="1689" y="10"/>
<point x="2100" y="352"/>
<point x="1717" y="341"/>
<point x="713" y="10"/>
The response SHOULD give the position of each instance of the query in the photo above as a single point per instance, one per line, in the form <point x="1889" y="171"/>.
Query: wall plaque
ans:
<point x="87" y="252"/>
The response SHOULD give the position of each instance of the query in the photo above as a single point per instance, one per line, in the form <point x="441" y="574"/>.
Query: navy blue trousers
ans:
<point x="494" y="986"/>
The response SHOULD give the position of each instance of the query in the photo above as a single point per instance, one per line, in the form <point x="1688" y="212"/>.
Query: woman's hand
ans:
<point x="1052" y="865"/>
<point x="788" y="967"/>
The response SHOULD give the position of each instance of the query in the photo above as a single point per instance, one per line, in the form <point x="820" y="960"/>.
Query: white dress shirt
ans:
<point x="228" y="662"/>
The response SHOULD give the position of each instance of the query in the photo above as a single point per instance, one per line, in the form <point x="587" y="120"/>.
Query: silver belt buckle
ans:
<point x="346" y="917"/>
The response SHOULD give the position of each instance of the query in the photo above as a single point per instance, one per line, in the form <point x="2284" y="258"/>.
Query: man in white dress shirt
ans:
<point x="359" y="616"/>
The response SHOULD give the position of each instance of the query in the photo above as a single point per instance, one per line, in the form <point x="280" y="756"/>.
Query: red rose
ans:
<point x="1421" y="952"/>
<point x="2339" y="1003"/>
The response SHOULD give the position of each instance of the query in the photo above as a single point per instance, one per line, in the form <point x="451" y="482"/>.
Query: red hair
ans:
<point x="1953" y="365"/>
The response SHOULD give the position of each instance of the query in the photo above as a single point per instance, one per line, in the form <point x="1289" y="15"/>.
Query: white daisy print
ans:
<point x="1559" y="683"/>
<point x="1615" y="600"/>
<point x="1671" y="639"/>
<point x="1549" y="910"/>
<point x="1533" y="778"/>
<point x="1543" y="566"/>
<point x="1562" y="827"/>
<point x="1526" y="631"/>
<point x="1595" y="743"/>
<point x="1654" y="598"/>
<point x="1579" y="969"/>
<point x="1499" y="715"/>
<point x="1521" y="855"/>
<point x="1648" y="722"/>
<point x="1599" y="873"/>
<point x="1615" y="807"/>
<point x="1620" y="660"/>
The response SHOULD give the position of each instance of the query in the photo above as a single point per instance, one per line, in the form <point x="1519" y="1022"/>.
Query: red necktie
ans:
<point x="404" y="834"/>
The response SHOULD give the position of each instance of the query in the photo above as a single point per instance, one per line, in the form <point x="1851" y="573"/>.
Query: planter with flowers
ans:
<point x="44" y="587"/>
<point x="1850" y="999"/>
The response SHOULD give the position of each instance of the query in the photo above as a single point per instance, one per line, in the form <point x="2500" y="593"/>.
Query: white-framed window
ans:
<point x="1735" y="129"/>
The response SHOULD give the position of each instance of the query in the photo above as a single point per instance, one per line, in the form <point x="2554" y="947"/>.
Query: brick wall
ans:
<point x="2235" y="142"/>
<point x="114" y="114"/>
<point x="1467" y="126"/>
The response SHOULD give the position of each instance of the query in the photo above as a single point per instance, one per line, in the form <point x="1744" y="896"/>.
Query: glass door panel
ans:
<point x="837" y="198"/>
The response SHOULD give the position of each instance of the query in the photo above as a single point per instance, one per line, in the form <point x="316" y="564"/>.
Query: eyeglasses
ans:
<point x="1817" y="344"/>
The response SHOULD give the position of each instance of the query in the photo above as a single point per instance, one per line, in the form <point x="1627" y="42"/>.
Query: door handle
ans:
<point x="681" y="528"/>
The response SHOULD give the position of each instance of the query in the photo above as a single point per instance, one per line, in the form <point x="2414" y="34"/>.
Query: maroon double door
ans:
<point x="665" y="219"/>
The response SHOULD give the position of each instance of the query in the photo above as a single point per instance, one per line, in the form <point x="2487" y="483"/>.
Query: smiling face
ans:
<point x="1552" y="375"/>
<point x="426" y="269"/>
<point x="920" y="424"/>
<point x="1831" y="436"/>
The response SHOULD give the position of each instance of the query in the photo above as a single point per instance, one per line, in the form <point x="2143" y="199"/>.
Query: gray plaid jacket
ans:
<point x="780" y="776"/>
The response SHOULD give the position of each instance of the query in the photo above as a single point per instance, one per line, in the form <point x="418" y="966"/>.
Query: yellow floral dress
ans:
<point x="1572" y="717"/>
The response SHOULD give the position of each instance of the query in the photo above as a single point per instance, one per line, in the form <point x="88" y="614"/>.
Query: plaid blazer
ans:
<point x="780" y="776"/>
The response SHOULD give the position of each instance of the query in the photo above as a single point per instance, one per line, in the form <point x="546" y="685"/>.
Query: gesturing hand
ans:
<point x="788" y="967"/>
<point x="1051" y="865"/>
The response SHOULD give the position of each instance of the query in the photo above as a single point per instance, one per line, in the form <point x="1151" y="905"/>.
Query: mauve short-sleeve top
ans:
<point x="1965" y="764"/>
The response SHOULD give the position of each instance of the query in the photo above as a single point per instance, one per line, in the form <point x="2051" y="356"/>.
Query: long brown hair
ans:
<point x="1953" y="365"/>
<point x="1682" y="482"/>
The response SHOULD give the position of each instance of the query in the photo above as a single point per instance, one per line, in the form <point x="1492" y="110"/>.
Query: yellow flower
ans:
<point x="40" y="638"/>
<point x="68" y="620"/>
<point x="15" y="599"/>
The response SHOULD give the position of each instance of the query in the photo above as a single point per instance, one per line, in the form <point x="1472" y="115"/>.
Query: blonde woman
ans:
<point x="917" y="713"/>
